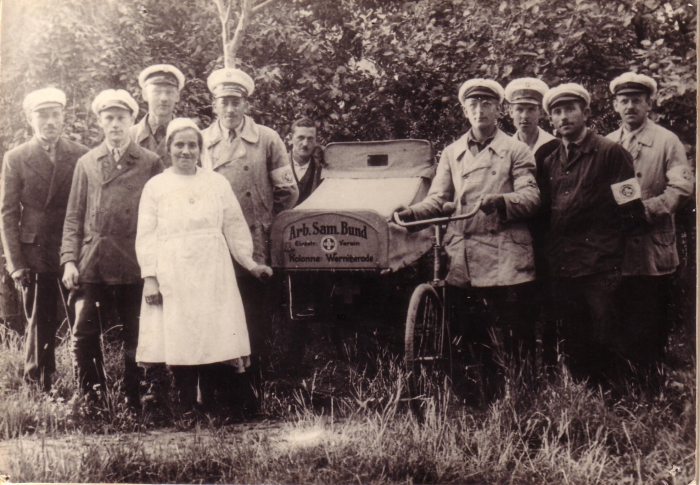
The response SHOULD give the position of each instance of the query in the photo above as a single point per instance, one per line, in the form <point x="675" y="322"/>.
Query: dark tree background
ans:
<point x="364" y="69"/>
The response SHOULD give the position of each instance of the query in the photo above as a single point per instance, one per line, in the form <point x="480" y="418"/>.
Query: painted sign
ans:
<point x="313" y="239"/>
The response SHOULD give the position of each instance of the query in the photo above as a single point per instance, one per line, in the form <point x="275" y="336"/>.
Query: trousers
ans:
<point x="92" y="305"/>
<point x="41" y="308"/>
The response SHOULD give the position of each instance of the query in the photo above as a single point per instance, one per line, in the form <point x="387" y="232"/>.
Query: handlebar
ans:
<point x="437" y="220"/>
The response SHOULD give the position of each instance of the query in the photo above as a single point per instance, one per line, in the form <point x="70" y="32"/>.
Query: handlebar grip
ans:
<point x="437" y="220"/>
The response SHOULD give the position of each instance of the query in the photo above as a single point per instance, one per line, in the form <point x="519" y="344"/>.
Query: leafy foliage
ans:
<point x="365" y="69"/>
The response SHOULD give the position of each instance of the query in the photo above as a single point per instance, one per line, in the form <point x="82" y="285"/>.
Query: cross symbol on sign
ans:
<point x="328" y="244"/>
<point x="347" y="290"/>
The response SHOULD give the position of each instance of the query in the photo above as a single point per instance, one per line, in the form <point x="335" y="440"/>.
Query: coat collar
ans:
<point x="143" y="130"/>
<point x="63" y="170"/>
<point x="645" y="136"/>
<point x="250" y="133"/>
<point x="40" y="161"/>
<point x="498" y="145"/>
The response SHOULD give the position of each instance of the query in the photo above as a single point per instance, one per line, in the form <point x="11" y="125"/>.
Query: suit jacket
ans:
<point x="311" y="178"/>
<point x="486" y="250"/>
<point x="141" y="134"/>
<point x="667" y="181"/>
<point x="100" y="229"/>
<point x="34" y="196"/>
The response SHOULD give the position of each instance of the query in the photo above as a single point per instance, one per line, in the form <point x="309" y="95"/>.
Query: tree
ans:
<point x="246" y="13"/>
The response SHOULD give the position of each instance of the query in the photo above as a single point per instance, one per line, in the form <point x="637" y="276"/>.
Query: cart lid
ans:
<point x="383" y="195"/>
<point x="379" y="159"/>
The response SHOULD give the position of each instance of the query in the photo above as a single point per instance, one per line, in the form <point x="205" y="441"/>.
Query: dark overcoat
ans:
<point x="100" y="229"/>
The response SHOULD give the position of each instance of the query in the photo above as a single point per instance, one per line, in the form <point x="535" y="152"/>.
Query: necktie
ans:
<point x="116" y="154"/>
<point x="159" y="134"/>
<point x="571" y="152"/>
<point x="231" y="136"/>
<point x="626" y="141"/>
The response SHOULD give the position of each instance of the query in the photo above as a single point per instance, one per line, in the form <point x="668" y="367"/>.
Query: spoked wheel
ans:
<point x="427" y="353"/>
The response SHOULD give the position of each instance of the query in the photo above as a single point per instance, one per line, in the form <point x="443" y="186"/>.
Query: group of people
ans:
<point x="577" y="230"/>
<point x="162" y="226"/>
<point x="166" y="226"/>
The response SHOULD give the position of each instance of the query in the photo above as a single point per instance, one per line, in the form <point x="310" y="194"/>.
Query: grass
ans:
<point x="350" y="423"/>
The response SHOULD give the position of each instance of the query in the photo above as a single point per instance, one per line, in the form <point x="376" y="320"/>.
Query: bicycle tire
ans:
<point x="426" y="342"/>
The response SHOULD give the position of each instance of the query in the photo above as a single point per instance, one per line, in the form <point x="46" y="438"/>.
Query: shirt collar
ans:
<point x="122" y="149"/>
<point x="46" y="145"/>
<point x="236" y="131"/>
<point x="153" y="128"/>
<point x="578" y="141"/>
<point x="471" y="139"/>
<point x="633" y="133"/>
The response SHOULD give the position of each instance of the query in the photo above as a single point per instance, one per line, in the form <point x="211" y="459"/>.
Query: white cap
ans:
<point x="481" y="87"/>
<point x="230" y="82"/>
<point x="44" y="98"/>
<point x="526" y="90"/>
<point x="114" y="98"/>
<point x="632" y="83"/>
<point x="180" y="124"/>
<point x="162" y="74"/>
<point x="565" y="92"/>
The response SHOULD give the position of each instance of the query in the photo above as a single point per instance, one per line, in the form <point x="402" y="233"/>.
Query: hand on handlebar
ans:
<point x="490" y="202"/>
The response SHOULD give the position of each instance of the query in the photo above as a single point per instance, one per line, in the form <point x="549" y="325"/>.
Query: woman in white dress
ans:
<point x="190" y="223"/>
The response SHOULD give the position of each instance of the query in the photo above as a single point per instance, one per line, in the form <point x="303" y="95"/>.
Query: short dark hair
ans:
<point x="304" y="122"/>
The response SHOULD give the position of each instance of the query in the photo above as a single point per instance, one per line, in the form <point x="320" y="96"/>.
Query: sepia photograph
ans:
<point x="348" y="241"/>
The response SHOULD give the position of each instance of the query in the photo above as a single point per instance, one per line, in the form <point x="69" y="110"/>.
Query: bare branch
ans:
<point x="262" y="5"/>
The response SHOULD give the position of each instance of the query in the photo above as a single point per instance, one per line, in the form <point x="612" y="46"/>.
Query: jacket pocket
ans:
<point x="27" y="237"/>
<point x="663" y="238"/>
<point x="521" y="236"/>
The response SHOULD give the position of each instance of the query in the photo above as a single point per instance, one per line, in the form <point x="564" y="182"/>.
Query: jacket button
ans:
<point x="639" y="174"/>
<point x="567" y="172"/>
<point x="467" y="236"/>
<point x="245" y="167"/>
<point x="252" y="227"/>
<point x="566" y="193"/>
<point x="492" y="231"/>
<point x="493" y="172"/>
<point x="103" y="211"/>
<point x="248" y="194"/>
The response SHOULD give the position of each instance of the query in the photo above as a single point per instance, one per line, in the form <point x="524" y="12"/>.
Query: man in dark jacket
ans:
<point x="36" y="180"/>
<point x="98" y="250"/>
<point x="160" y="86"/>
<point x="306" y="157"/>
<point x="594" y="202"/>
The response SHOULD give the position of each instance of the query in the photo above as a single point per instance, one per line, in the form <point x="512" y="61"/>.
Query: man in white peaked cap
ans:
<point x="253" y="158"/>
<point x="160" y="87"/>
<point x="491" y="253"/>
<point x="666" y="181"/>
<point x="588" y="185"/>
<point x="98" y="251"/>
<point x="36" y="180"/>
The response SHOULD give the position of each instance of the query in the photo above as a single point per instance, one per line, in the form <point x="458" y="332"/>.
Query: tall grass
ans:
<point x="344" y="423"/>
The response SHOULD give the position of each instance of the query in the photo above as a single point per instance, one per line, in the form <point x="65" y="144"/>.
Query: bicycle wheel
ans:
<point x="426" y="343"/>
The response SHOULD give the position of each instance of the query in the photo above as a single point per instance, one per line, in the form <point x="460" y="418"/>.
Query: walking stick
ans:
<point x="70" y="324"/>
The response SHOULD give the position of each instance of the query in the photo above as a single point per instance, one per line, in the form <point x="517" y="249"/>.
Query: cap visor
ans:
<point x="49" y="104"/>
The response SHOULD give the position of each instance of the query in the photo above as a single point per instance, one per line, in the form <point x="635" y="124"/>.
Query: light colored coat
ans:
<point x="257" y="167"/>
<point x="485" y="250"/>
<point x="666" y="180"/>
<point x="189" y="226"/>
